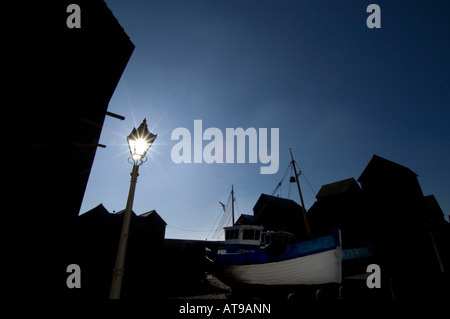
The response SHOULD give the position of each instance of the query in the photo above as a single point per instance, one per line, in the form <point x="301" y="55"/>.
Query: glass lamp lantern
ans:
<point x="139" y="142"/>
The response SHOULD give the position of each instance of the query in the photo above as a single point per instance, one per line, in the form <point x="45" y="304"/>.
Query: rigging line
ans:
<point x="290" y="166"/>
<point x="227" y="222"/>
<point x="290" y="184"/>
<point x="263" y="205"/>
<point x="214" y="224"/>
<point x="219" y="232"/>
<point x="190" y="230"/>
<point x="236" y="213"/>
<point x="282" y="179"/>
<point x="310" y="186"/>
<point x="225" y="218"/>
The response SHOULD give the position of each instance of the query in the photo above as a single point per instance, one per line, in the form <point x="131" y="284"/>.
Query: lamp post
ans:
<point x="139" y="142"/>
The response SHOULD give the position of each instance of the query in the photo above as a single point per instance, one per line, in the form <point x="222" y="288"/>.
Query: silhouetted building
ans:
<point x="395" y="202"/>
<point x="439" y="231"/>
<point x="405" y="231"/>
<point x="400" y="237"/>
<point x="339" y="205"/>
<point x="98" y="239"/>
<point x="155" y="267"/>
<point x="58" y="85"/>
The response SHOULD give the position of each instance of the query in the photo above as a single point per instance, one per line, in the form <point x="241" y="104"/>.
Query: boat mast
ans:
<point x="232" y="205"/>
<point x="308" y="230"/>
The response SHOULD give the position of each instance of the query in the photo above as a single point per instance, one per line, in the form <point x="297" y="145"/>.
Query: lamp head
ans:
<point x="139" y="141"/>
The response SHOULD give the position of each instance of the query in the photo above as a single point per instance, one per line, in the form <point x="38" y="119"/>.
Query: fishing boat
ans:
<point x="245" y="260"/>
<point x="255" y="256"/>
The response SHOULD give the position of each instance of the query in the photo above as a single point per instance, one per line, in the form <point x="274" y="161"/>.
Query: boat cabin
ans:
<point x="241" y="238"/>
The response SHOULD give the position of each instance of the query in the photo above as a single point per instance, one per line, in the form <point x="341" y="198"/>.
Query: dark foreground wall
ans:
<point x="57" y="85"/>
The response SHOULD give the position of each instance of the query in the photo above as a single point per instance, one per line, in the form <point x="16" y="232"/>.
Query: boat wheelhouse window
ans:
<point x="232" y="234"/>
<point x="251" y="234"/>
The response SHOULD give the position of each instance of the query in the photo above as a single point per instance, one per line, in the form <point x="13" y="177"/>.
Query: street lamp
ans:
<point x="139" y="142"/>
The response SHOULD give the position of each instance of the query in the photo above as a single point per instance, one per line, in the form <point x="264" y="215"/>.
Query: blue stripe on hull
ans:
<point x="305" y="248"/>
<point x="356" y="253"/>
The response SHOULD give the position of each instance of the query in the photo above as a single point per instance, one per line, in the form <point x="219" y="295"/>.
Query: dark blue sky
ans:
<point x="338" y="91"/>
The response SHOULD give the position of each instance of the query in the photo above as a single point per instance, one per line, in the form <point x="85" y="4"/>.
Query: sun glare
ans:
<point x="139" y="147"/>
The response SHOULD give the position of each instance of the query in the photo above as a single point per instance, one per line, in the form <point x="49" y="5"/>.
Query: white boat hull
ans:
<point x="320" y="268"/>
